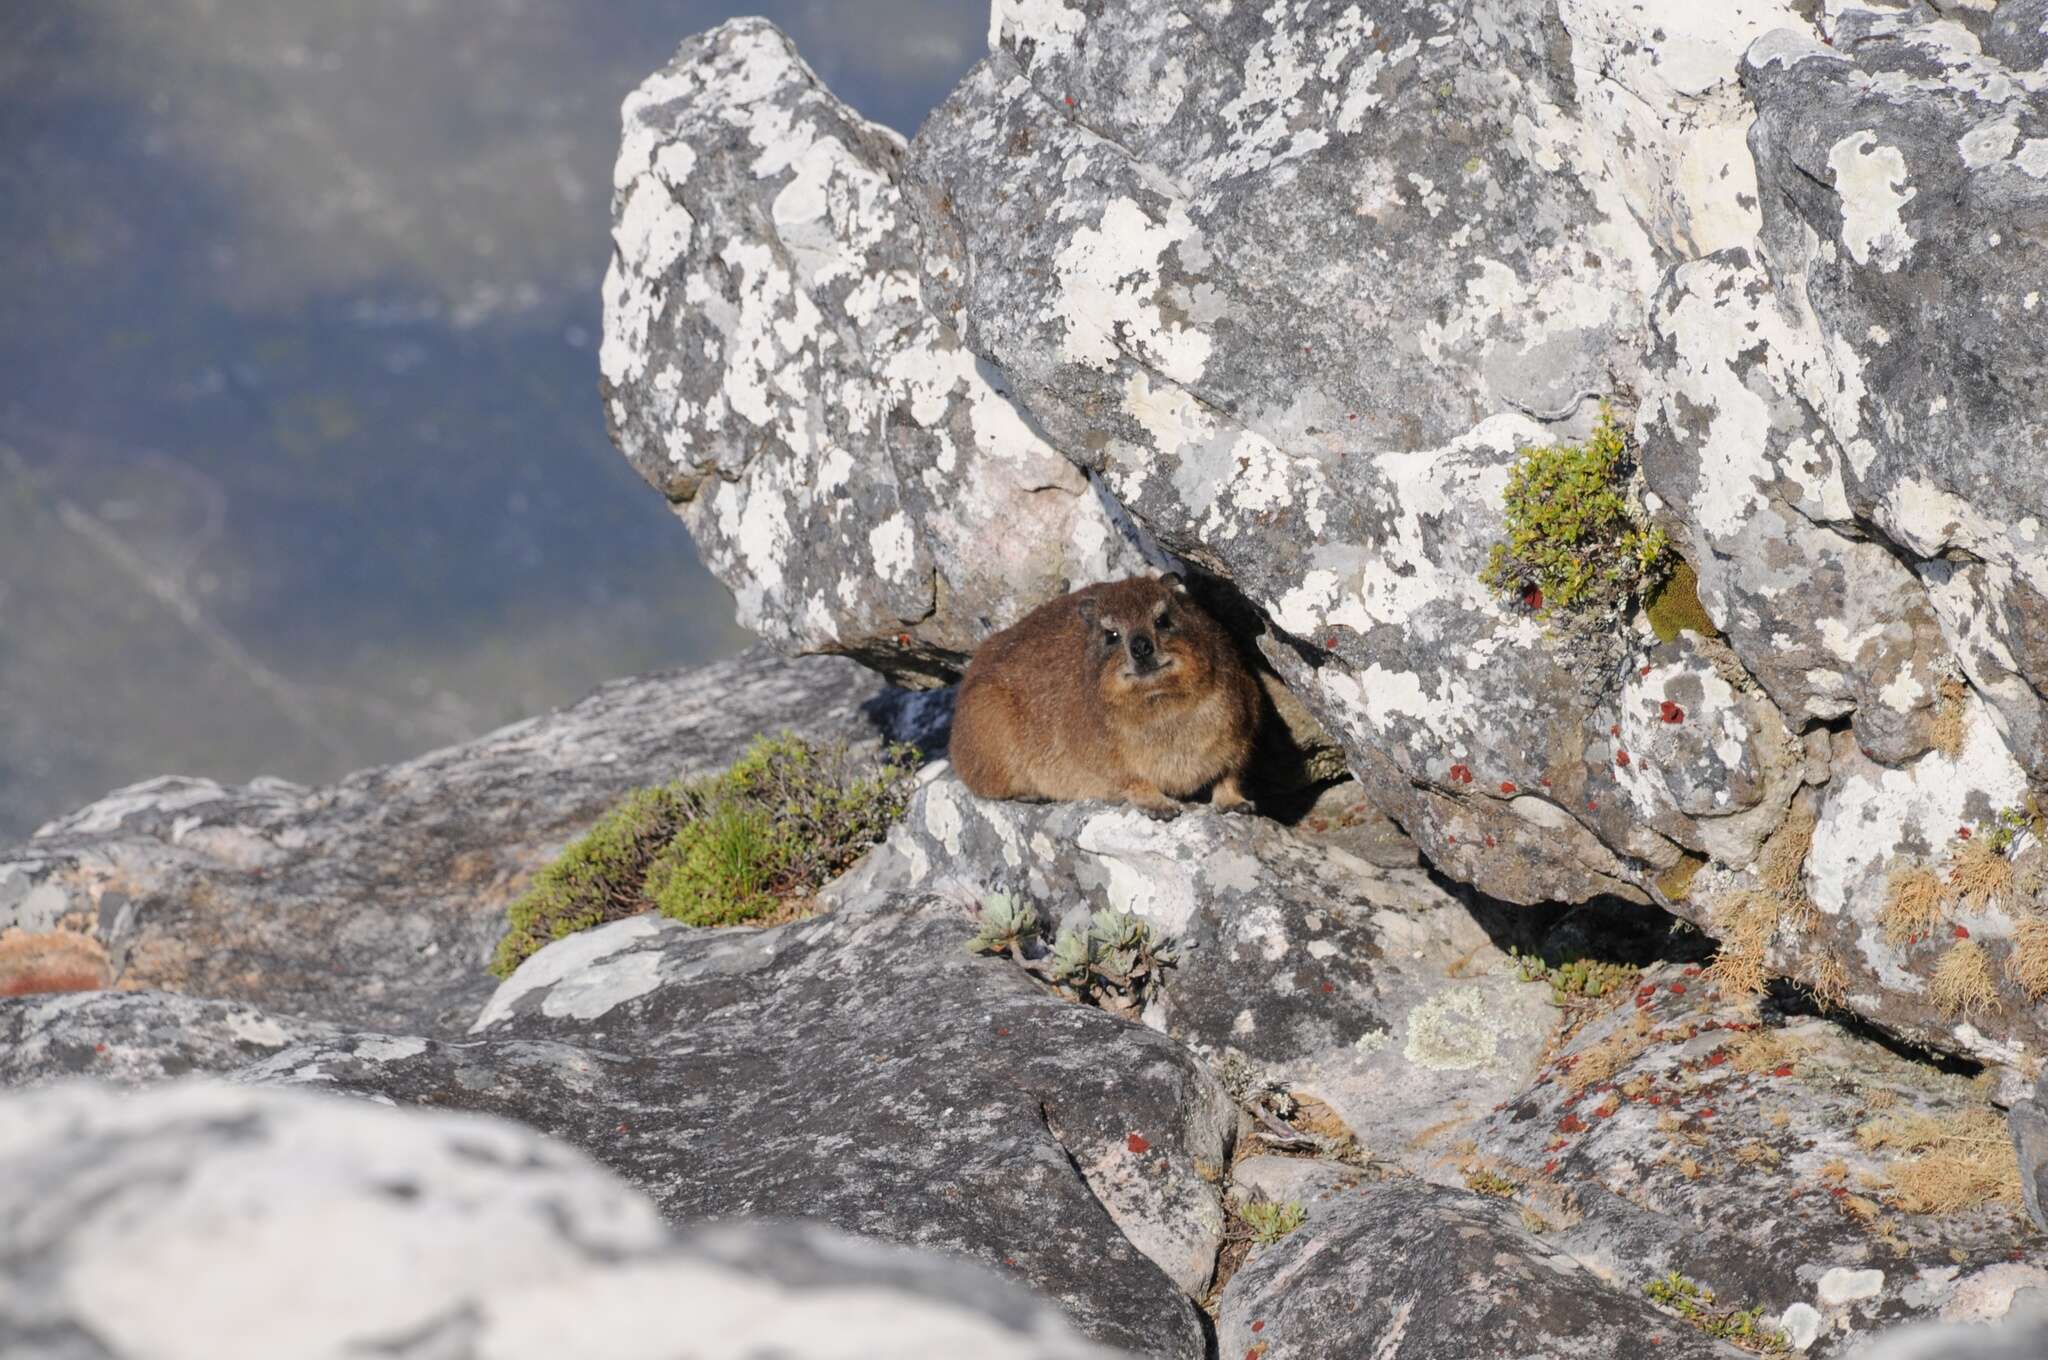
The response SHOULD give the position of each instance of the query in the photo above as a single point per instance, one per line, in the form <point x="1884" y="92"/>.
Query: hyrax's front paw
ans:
<point x="1244" y="806"/>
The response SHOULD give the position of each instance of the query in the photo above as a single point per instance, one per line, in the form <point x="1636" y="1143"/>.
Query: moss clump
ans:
<point x="1675" y="608"/>
<point x="783" y="821"/>
<point x="1576" y="540"/>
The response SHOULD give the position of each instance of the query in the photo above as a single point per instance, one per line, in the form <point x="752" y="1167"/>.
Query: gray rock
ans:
<point x="1680" y="1133"/>
<point x="134" y="1038"/>
<point x="2015" y="1341"/>
<point x="196" y="1220"/>
<point x="2029" y="1121"/>
<point x="861" y="1069"/>
<point x="1404" y="1268"/>
<point x="861" y="480"/>
<point x="1373" y="990"/>
<point x="376" y="902"/>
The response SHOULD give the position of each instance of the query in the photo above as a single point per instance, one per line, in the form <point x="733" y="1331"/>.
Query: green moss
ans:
<point x="786" y="819"/>
<point x="1575" y="540"/>
<point x="1491" y="1184"/>
<point x="1676" y="607"/>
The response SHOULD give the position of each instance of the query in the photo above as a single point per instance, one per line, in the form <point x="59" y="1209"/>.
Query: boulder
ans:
<point x="203" y="1221"/>
<point x="377" y="901"/>
<point x="862" y="481"/>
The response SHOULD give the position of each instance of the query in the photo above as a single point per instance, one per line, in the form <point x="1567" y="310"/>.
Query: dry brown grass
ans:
<point x="1763" y="1050"/>
<point x="1949" y="727"/>
<point x="1978" y="876"/>
<point x="1756" y="1152"/>
<point x="2027" y="965"/>
<point x="1602" y="1060"/>
<point x="1828" y="979"/>
<point x="1745" y="919"/>
<point x="1784" y="855"/>
<point x="1912" y="903"/>
<point x="1962" y="985"/>
<point x="1960" y="1161"/>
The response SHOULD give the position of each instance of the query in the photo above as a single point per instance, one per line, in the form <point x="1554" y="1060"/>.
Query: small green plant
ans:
<point x="1576" y="539"/>
<point x="1694" y="1302"/>
<point x="786" y="819"/>
<point x="1490" y="1183"/>
<point x="1575" y="979"/>
<point x="1270" y="1221"/>
<point x="2008" y="828"/>
<point x="1115" y="960"/>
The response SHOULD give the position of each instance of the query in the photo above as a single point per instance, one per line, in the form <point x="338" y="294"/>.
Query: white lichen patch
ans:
<point x="1872" y="181"/>
<point x="584" y="975"/>
<point x="1453" y="1031"/>
<point x="1109" y="290"/>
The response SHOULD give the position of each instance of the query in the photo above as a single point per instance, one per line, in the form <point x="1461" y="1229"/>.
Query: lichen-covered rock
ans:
<point x="2029" y="1120"/>
<point x="202" y="1221"/>
<point x="376" y="902"/>
<point x="1373" y="990"/>
<point x="1784" y="1164"/>
<point x="132" y="1038"/>
<point x="861" y="480"/>
<point x="1404" y="1268"/>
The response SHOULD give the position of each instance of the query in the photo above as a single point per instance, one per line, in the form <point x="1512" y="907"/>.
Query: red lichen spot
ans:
<point x="903" y="639"/>
<point x="1670" y="712"/>
<point x="1459" y="774"/>
<point x="1678" y="989"/>
<point x="1550" y="1167"/>
<point x="1507" y="786"/>
<point x="1962" y="932"/>
<point x="1544" y="782"/>
<point x="1656" y="1099"/>
<point x="99" y="1048"/>
<point x="1002" y="1031"/>
<point x="1707" y="1113"/>
<point x="1646" y="672"/>
<point x="1070" y="101"/>
<point x="1693" y="970"/>
<point x="1329" y="986"/>
<point x="1259" y="1326"/>
<point x="1621" y="758"/>
<point x="1352" y="416"/>
<point x="1532" y="598"/>
<point x="1330" y="643"/>
<point x="1592" y="805"/>
<point x="1451" y="838"/>
<point x="1614" y="729"/>
<point x="1716" y="1058"/>
<point x="1838" y="1190"/>
<point x="1009" y="1260"/>
<point x="1784" y="1070"/>
<point x="1137" y="1143"/>
<point x="1571" y="1123"/>
<point x="625" y="1128"/>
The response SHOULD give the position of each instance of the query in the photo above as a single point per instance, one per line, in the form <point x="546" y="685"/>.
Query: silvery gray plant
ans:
<point x="1113" y="959"/>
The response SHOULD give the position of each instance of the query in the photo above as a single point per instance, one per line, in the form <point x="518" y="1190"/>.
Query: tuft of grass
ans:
<point x="2027" y="965"/>
<point x="1270" y="1221"/>
<point x="1945" y="1165"/>
<point x="1962" y="985"/>
<point x="1828" y="979"/>
<point x="1979" y="874"/>
<point x="1741" y="1327"/>
<point x="1949" y="726"/>
<point x="1913" y="904"/>
<point x="1746" y="919"/>
<point x="1576" y="539"/>
<point x="787" y="818"/>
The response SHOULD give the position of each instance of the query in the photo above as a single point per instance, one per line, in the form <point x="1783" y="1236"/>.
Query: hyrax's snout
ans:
<point x="1144" y="654"/>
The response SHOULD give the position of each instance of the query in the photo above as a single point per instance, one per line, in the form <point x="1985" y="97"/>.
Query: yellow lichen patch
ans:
<point x="1962" y="984"/>
<point x="1912" y="903"/>
<point x="1676" y="881"/>
<point x="2027" y="965"/>
<point x="1978" y="876"/>
<point x="1949" y="727"/>
<point x="1959" y="1161"/>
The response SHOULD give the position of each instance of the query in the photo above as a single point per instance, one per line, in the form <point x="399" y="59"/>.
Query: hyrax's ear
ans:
<point x="1088" y="608"/>
<point x="1169" y="577"/>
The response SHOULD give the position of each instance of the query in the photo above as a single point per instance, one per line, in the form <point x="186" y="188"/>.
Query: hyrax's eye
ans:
<point x="1164" y="623"/>
<point x="1112" y="636"/>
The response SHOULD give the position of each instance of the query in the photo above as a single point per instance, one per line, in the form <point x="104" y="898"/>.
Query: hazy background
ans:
<point x="301" y="461"/>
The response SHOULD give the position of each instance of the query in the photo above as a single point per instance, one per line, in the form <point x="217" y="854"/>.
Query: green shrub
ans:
<point x="1576" y="541"/>
<point x="786" y="819"/>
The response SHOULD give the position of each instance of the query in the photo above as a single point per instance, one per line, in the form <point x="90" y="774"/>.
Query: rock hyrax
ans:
<point x="1128" y="692"/>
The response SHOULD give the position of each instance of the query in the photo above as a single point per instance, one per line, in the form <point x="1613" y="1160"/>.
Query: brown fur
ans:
<point x="1066" y="703"/>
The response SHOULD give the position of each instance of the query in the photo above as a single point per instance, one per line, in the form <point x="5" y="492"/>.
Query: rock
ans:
<point x="203" y="1221"/>
<point x="376" y="902"/>
<point x="1681" y="1133"/>
<point x="2021" y="1341"/>
<point x="861" y="480"/>
<point x="1404" y="1268"/>
<point x="1371" y="989"/>
<point x="861" y="1069"/>
<point x="134" y="1038"/>
<point x="2029" y="1120"/>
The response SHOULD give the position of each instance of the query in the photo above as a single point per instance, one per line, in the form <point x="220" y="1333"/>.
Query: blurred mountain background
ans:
<point x="302" y="466"/>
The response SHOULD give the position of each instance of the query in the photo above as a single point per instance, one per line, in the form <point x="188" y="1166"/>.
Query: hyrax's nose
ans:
<point x="1141" y="648"/>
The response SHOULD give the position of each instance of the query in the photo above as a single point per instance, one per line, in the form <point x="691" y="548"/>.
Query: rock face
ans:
<point x="375" y="902"/>
<point x="862" y="481"/>
<point x="1294" y="283"/>
<point x="204" y="1221"/>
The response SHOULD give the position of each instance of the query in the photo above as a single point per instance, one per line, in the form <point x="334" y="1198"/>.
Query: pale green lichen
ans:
<point x="1453" y="1031"/>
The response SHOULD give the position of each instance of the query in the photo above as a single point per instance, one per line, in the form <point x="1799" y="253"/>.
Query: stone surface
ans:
<point x="860" y="479"/>
<point x="376" y="902"/>
<point x="1294" y="283"/>
<point x="1401" y="1268"/>
<point x="2029" y="1120"/>
<point x="1372" y="989"/>
<point x="1679" y="1132"/>
<point x="202" y="1221"/>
